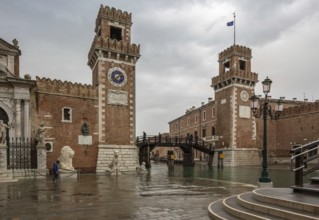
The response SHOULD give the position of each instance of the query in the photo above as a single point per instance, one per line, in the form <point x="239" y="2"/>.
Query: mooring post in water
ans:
<point x="170" y="159"/>
<point x="221" y="157"/>
<point x="210" y="157"/>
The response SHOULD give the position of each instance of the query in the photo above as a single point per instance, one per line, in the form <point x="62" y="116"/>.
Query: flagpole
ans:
<point x="234" y="28"/>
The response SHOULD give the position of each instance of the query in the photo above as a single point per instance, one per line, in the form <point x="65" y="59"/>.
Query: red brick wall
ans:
<point x="47" y="107"/>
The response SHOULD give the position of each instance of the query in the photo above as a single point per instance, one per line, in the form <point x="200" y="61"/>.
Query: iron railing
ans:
<point x="21" y="154"/>
<point x="301" y="156"/>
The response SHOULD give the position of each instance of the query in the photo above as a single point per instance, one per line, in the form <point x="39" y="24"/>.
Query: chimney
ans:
<point x="203" y="103"/>
<point x="210" y="99"/>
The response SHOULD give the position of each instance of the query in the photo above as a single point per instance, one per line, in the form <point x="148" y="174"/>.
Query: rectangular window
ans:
<point x="176" y="126"/>
<point x="204" y="115"/>
<point x="182" y="123"/>
<point x="196" y="119"/>
<point x="66" y="114"/>
<point x="204" y="132"/>
<point x="116" y="33"/>
<point x="213" y="112"/>
<point x="242" y="65"/>
<point x="188" y="122"/>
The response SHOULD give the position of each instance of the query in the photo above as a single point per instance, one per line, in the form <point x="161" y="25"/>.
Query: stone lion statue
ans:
<point x="65" y="159"/>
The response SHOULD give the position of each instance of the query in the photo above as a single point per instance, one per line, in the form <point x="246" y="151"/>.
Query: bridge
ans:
<point x="146" y="144"/>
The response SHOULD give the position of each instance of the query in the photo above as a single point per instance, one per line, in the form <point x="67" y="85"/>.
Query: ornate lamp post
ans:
<point x="262" y="108"/>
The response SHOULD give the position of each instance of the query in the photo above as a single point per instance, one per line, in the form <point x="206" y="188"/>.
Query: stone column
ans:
<point x="26" y="119"/>
<point x="17" y="125"/>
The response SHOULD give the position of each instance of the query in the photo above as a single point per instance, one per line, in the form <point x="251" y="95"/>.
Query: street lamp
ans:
<point x="262" y="108"/>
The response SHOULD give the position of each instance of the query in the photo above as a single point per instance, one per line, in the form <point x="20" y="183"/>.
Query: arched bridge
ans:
<point x="147" y="143"/>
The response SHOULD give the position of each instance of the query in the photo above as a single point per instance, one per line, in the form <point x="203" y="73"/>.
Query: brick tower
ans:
<point x="233" y="87"/>
<point x="112" y="59"/>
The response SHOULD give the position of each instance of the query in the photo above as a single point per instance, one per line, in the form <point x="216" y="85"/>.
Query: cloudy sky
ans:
<point x="180" y="41"/>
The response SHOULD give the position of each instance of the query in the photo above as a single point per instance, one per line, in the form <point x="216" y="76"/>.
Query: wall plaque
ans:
<point x="115" y="97"/>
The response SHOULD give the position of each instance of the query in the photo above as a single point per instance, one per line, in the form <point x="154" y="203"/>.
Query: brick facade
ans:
<point x="49" y="98"/>
<point x="236" y="130"/>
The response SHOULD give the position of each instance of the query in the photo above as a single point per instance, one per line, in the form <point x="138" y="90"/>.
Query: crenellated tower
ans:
<point x="112" y="59"/>
<point x="233" y="87"/>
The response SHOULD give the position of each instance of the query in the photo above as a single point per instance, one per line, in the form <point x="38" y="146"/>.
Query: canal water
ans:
<point x="249" y="175"/>
<point x="182" y="193"/>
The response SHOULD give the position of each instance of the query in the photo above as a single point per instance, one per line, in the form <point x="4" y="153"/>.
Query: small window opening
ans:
<point x="204" y="132"/>
<point x="116" y="33"/>
<point x="213" y="131"/>
<point x="226" y="66"/>
<point x="67" y="114"/>
<point x="242" y="65"/>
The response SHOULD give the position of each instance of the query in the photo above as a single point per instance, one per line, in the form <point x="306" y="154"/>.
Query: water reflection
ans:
<point x="245" y="175"/>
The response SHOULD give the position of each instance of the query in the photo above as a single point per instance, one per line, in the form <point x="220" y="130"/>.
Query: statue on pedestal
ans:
<point x="3" y="132"/>
<point x="40" y="135"/>
<point x="114" y="165"/>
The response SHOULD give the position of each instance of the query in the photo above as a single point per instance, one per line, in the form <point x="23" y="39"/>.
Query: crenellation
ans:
<point x="305" y="108"/>
<point x="114" y="14"/>
<point x="234" y="73"/>
<point x="110" y="45"/>
<point x="65" y="87"/>
<point x="235" y="49"/>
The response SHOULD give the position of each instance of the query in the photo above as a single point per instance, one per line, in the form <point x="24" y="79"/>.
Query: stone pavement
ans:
<point x="153" y="195"/>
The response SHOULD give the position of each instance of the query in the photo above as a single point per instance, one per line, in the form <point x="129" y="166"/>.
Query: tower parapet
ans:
<point x="113" y="14"/>
<point x="112" y="49"/>
<point x="234" y="67"/>
<point x="113" y="37"/>
<point x="238" y="50"/>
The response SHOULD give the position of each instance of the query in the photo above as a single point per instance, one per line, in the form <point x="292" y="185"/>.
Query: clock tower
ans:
<point x="112" y="59"/>
<point x="233" y="87"/>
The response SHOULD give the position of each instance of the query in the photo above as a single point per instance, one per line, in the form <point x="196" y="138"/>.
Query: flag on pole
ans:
<point x="230" y="23"/>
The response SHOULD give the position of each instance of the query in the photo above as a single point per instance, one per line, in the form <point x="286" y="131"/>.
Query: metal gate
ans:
<point x="21" y="154"/>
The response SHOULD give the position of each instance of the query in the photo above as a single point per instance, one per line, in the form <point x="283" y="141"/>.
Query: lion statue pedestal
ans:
<point x="66" y="168"/>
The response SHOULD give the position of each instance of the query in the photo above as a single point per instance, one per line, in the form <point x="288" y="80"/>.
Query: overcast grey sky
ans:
<point x="180" y="41"/>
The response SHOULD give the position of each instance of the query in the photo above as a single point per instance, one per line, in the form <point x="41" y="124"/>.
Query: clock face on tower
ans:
<point x="244" y="96"/>
<point x="117" y="76"/>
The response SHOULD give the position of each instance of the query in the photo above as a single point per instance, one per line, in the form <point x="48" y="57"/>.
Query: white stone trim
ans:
<point x="237" y="85"/>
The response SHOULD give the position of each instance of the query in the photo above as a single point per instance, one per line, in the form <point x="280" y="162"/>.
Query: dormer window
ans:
<point x="115" y="33"/>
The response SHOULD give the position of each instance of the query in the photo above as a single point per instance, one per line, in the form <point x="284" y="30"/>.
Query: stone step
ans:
<point x="314" y="180"/>
<point x="266" y="203"/>
<point x="234" y="206"/>
<point x="216" y="211"/>
<point x="308" y="188"/>
<point x="286" y="197"/>
<point x="273" y="208"/>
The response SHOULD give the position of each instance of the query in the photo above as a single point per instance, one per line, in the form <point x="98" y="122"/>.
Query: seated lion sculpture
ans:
<point x="66" y="158"/>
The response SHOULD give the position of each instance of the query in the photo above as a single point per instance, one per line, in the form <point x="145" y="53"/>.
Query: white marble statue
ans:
<point x="66" y="157"/>
<point x="142" y="168"/>
<point x="114" y="165"/>
<point x="3" y="132"/>
<point x="40" y="136"/>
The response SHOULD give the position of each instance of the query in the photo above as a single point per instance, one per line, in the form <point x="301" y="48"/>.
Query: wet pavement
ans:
<point x="158" y="194"/>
